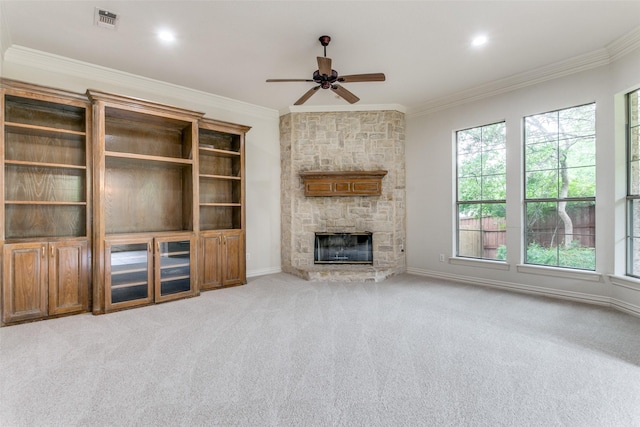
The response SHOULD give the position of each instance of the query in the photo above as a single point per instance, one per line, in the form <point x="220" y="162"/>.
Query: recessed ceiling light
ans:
<point x="479" y="40"/>
<point x="166" y="36"/>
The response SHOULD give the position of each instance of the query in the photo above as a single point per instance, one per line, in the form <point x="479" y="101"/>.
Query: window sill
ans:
<point x="567" y="273"/>
<point x="482" y="263"/>
<point x="625" y="282"/>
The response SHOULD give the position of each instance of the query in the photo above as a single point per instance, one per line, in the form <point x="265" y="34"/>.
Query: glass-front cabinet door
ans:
<point x="173" y="269"/>
<point x="129" y="276"/>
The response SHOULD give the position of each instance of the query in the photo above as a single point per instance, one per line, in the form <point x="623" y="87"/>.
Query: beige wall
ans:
<point x="431" y="183"/>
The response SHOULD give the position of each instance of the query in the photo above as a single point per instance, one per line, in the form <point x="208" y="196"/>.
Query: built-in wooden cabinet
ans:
<point x="141" y="270"/>
<point x="113" y="202"/>
<point x="146" y="177"/>
<point x="45" y="203"/>
<point x="221" y="202"/>
<point x="223" y="259"/>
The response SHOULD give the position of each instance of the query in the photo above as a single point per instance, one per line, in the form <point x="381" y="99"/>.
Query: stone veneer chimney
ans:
<point x="343" y="141"/>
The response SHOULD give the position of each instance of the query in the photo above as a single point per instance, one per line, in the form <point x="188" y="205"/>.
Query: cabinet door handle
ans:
<point x="158" y="246"/>
<point x="43" y="251"/>
<point x="148" y="247"/>
<point x="52" y="251"/>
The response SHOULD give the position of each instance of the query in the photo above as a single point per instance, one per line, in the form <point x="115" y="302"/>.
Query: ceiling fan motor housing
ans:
<point x="325" y="80"/>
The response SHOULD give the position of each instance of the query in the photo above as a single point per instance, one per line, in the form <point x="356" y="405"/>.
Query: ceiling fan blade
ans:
<point x="307" y="95"/>
<point x="372" y="77"/>
<point x="342" y="92"/>
<point x="288" y="80"/>
<point x="324" y="65"/>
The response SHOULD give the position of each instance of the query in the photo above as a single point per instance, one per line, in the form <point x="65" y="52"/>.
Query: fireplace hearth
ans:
<point x="343" y="248"/>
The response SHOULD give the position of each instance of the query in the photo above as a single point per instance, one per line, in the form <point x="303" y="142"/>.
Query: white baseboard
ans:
<point x="263" y="271"/>
<point x="536" y="290"/>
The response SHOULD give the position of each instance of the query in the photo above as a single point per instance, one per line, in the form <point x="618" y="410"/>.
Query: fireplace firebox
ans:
<point x="343" y="248"/>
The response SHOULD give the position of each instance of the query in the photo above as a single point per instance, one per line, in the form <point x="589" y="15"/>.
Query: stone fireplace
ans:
<point x="343" y="141"/>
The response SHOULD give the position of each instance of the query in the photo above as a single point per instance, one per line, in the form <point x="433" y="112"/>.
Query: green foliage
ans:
<point x="501" y="253"/>
<point x="576" y="256"/>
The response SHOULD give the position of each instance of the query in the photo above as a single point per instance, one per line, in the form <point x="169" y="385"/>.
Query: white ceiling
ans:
<point x="230" y="48"/>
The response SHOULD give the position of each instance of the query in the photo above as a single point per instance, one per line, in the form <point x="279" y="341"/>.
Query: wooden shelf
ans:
<point x="147" y="158"/>
<point x="342" y="183"/>
<point x="221" y="177"/>
<point x="43" y="164"/>
<point x="219" y="152"/>
<point x="40" y="130"/>
<point x="221" y="204"/>
<point x="38" y="202"/>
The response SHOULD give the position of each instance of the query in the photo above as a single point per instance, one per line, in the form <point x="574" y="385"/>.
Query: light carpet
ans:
<point x="281" y="351"/>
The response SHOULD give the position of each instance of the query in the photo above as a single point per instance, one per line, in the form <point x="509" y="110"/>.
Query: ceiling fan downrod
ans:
<point x="324" y="41"/>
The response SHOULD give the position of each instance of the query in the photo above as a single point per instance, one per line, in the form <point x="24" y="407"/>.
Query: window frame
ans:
<point x="630" y="197"/>
<point x="528" y="201"/>
<point x="480" y="201"/>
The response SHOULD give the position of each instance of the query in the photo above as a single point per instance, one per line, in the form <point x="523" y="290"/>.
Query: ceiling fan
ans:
<point x="327" y="78"/>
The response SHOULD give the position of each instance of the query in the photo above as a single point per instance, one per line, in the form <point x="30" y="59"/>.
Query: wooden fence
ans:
<point x="481" y="237"/>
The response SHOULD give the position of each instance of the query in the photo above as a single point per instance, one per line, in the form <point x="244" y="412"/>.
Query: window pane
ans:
<point x="469" y="189"/>
<point x="493" y="188"/>
<point x="541" y="127"/>
<point x="633" y="184"/>
<point x="470" y="164"/>
<point x="634" y="166"/>
<point x="470" y="243"/>
<point x="559" y="152"/>
<point x="577" y="121"/>
<point x="634" y="109"/>
<point x="482" y="234"/>
<point x="634" y="218"/>
<point x="581" y="181"/>
<point x="494" y="136"/>
<point x="579" y="152"/>
<point x="542" y="184"/>
<point x="540" y="249"/>
<point x="481" y="157"/>
<point x="541" y="156"/>
<point x="493" y="162"/>
<point x="468" y="140"/>
<point x="633" y="268"/>
<point x="561" y="234"/>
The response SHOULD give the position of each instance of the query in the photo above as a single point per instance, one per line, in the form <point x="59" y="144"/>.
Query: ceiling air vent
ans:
<point x="105" y="19"/>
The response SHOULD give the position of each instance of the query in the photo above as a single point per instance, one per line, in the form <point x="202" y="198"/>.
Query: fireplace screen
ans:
<point x="343" y="248"/>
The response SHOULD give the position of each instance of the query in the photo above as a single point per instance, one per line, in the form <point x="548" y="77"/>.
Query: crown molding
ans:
<point x="24" y="56"/>
<point x="5" y="36"/>
<point x="342" y="108"/>
<point x="517" y="81"/>
<point x="624" y="45"/>
<point x="601" y="57"/>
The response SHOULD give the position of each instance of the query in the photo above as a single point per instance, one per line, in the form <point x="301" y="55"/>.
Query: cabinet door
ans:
<point x="173" y="278"/>
<point x="210" y="276"/>
<point x="24" y="284"/>
<point x="128" y="272"/>
<point x="232" y="263"/>
<point x="68" y="272"/>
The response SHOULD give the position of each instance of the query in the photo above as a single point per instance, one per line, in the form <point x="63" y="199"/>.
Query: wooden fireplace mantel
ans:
<point x="342" y="183"/>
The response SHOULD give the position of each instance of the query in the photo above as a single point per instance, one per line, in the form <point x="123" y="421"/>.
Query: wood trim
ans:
<point x="342" y="183"/>
<point x="143" y="106"/>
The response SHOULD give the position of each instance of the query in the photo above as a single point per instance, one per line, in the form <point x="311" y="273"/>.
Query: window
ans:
<point x="481" y="192"/>
<point x="560" y="182"/>
<point x="633" y="184"/>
